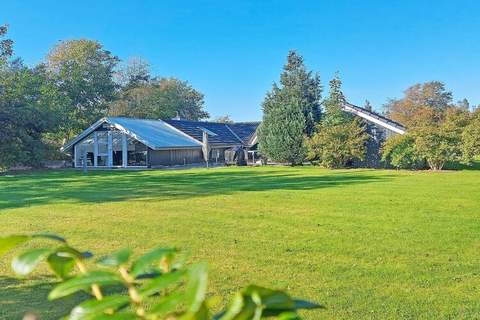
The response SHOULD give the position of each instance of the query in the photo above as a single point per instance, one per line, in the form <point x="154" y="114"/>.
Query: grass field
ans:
<point x="367" y="244"/>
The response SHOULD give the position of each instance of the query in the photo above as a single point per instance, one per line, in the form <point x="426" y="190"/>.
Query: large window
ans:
<point x="117" y="148"/>
<point x="137" y="153"/>
<point x="107" y="147"/>
<point x="84" y="152"/>
<point x="102" y="153"/>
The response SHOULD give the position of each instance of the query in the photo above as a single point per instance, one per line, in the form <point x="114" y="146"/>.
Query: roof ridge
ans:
<point x="246" y="122"/>
<point x="374" y="117"/>
<point x="376" y="114"/>
<point x="211" y="122"/>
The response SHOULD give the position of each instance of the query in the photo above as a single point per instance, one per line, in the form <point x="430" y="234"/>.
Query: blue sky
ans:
<point x="233" y="51"/>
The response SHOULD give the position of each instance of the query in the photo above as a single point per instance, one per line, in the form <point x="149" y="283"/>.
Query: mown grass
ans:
<point x="368" y="244"/>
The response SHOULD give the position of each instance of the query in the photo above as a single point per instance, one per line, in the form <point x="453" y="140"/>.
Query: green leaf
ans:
<point x="50" y="236"/>
<point x="234" y="307"/>
<point x="160" y="283"/>
<point x="144" y="263"/>
<point x="271" y="299"/>
<point x="60" y="265"/>
<point x="8" y="243"/>
<point x="255" y="301"/>
<point x="83" y="282"/>
<point x="67" y="251"/>
<point x="303" y="304"/>
<point x="168" y="304"/>
<point x="91" y="308"/>
<point x="27" y="261"/>
<point x="240" y="308"/>
<point x="115" y="259"/>
<point x="196" y="286"/>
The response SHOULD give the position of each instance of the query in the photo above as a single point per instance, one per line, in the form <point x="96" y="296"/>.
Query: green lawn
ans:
<point x="368" y="244"/>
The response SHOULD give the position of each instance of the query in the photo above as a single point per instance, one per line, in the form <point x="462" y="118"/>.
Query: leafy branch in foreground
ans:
<point x="154" y="286"/>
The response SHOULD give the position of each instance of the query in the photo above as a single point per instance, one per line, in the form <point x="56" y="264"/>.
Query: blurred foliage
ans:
<point x="157" y="285"/>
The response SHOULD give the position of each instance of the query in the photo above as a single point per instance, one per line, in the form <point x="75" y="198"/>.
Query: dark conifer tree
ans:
<point x="290" y="111"/>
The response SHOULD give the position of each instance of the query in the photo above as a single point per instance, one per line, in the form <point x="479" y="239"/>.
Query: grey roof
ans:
<point x="225" y="133"/>
<point x="245" y="130"/>
<point x="155" y="134"/>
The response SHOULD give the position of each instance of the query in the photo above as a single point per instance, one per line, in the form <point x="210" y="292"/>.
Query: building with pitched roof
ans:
<point x="116" y="142"/>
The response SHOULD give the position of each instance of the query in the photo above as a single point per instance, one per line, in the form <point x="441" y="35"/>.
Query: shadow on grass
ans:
<point x="475" y="166"/>
<point x="109" y="186"/>
<point x="18" y="297"/>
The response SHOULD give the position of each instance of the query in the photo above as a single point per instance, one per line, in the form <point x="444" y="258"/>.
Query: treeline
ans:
<point x="299" y="125"/>
<point x="78" y="82"/>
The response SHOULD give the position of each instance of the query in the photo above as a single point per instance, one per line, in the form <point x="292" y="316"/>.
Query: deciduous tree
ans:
<point x="430" y="95"/>
<point x="161" y="99"/>
<point x="29" y="107"/>
<point x="335" y="146"/>
<point x="400" y="152"/>
<point x="6" y="45"/>
<point x="135" y="72"/>
<point x="471" y="139"/>
<point x="83" y="70"/>
<point x="439" y="142"/>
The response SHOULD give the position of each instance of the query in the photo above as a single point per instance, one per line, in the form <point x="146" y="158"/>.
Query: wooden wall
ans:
<point x="174" y="157"/>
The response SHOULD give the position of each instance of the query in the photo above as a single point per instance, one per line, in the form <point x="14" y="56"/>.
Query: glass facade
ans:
<point x="108" y="147"/>
<point x="137" y="153"/>
<point x="84" y="151"/>
<point x="117" y="148"/>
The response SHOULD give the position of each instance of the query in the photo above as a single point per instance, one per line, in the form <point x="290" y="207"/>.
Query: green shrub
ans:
<point x="155" y="286"/>
<point x="400" y="152"/>
<point x="471" y="140"/>
<point x="333" y="146"/>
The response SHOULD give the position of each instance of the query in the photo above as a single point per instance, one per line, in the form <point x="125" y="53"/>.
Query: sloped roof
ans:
<point x="226" y="133"/>
<point x="155" y="134"/>
<point x="244" y="130"/>
<point x="375" y="118"/>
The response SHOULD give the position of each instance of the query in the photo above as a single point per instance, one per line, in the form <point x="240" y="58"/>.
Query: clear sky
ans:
<point x="232" y="51"/>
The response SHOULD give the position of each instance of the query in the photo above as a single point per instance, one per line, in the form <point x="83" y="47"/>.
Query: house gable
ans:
<point x="375" y="118"/>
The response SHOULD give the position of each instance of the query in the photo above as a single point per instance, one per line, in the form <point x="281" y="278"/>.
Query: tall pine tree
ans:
<point x="334" y="115"/>
<point x="290" y="111"/>
<point x="339" y="139"/>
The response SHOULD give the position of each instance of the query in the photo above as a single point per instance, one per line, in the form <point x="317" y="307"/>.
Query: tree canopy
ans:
<point x="30" y="105"/>
<point x="83" y="70"/>
<point x="6" y="45"/>
<point x="471" y="139"/>
<point x="418" y="98"/>
<point x="135" y="72"/>
<point x="160" y="99"/>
